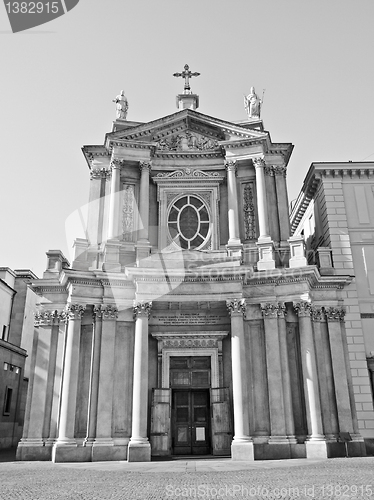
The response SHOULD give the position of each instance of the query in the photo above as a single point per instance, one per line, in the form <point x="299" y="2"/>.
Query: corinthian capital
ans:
<point x="109" y="312"/>
<point x="236" y="306"/>
<point x="280" y="170"/>
<point x="259" y="162"/>
<point x="269" y="170"/>
<point x="336" y="313"/>
<point x="73" y="311"/>
<point x="145" y="166"/>
<point x="230" y="165"/>
<point x="142" y="309"/>
<point x="117" y="163"/>
<point x="317" y="313"/>
<point x="303" y="308"/>
<point x="46" y="318"/>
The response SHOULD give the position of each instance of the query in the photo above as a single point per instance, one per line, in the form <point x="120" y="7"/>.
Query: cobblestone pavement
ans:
<point x="341" y="478"/>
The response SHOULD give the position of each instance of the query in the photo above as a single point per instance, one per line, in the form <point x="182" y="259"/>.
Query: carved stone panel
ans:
<point x="128" y="212"/>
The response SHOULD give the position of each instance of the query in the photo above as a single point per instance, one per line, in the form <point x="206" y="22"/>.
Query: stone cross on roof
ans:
<point x="186" y="74"/>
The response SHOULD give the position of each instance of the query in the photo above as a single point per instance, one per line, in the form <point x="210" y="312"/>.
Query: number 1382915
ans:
<point x="32" y="7"/>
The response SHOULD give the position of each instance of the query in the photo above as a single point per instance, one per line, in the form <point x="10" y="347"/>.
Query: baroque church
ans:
<point x="189" y="322"/>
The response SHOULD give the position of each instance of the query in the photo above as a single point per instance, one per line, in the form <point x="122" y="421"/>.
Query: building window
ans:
<point x="189" y="222"/>
<point x="8" y="400"/>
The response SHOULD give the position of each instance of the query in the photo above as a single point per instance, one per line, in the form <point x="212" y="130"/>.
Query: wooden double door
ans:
<point x="190" y="421"/>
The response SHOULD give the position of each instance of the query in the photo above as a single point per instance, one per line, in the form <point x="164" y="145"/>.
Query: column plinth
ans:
<point x="139" y="449"/>
<point x="242" y="445"/>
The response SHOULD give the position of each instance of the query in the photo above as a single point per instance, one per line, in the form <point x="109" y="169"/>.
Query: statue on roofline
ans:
<point x="122" y="106"/>
<point x="252" y="104"/>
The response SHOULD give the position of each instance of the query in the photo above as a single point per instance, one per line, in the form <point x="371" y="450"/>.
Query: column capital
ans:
<point x="231" y="165"/>
<point x="335" y="313"/>
<point x="269" y="170"/>
<point x="109" y="312"/>
<point x="303" y="308"/>
<point x="46" y="318"/>
<point x="142" y="309"/>
<point x="317" y="313"/>
<point x="145" y="166"/>
<point x="100" y="173"/>
<point x="280" y="170"/>
<point x="116" y="163"/>
<point x="259" y="162"/>
<point x="73" y="311"/>
<point x="273" y="309"/>
<point x="236" y="306"/>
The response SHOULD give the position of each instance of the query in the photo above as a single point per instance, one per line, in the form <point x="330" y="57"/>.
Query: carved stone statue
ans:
<point x="252" y="104"/>
<point x="122" y="106"/>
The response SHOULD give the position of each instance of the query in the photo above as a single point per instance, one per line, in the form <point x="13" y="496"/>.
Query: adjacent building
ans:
<point x="189" y="321"/>
<point x="17" y="304"/>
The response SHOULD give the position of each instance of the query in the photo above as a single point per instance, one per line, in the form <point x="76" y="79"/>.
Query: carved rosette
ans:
<point x="236" y="306"/>
<point x="142" y="309"/>
<point x="46" y="318"/>
<point x="181" y="343"/>
<point x="273" y="310"/>
<point x="231" y="165"/>
<point x="128" y="212"/>
<point x="116" y="163"/>
<point x="73" y="311"/>
<point x="249" y="212"/>
<point x="303" y="308"/>
<point x="317" y="313"/>
<point x="259" y="162"/>
<point x="109" y="312"/>
<point x="145" y="166"/>
<point x="336" y="313"/>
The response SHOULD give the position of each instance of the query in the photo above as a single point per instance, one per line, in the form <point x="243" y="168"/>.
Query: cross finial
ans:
<point x="186" y="74"/>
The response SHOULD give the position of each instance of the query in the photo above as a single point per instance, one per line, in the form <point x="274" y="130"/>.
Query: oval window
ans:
<point x="189" y="222"/>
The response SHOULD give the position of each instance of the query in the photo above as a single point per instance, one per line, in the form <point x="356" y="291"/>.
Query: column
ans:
<point x="315" y="444"/>
<point x="234" y="245"/>
<point x="286" y="377"/>
<point x="114" y="208"/>
<point x="32" y="444"/>
<point x="278" y="439"/>
<point x="242" y="445"/>
<point x="64" y="450"/>
<point x="139" y="449"/>
<point x="325" y="375"/>
<point x="334" y="316"/>
<point x="264" y="243"/>
<point x="103" y="445"/>
<point x="143" y="247"/>
<point x="94" y="375"/>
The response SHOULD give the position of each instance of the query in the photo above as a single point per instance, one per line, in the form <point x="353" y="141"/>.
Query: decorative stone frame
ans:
<point x="207" y="343"/>
<point x="187" y="181"/>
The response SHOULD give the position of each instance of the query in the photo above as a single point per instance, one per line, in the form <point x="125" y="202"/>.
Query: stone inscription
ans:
<point x="198" y="318"/>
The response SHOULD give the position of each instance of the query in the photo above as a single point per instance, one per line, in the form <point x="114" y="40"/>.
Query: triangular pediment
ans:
<point x="187" y="129"/>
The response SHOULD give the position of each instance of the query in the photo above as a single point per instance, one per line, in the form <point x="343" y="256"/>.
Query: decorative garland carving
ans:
<point x="249" y="212"/>
<point x="236" y="306"/>
<point x="128" y="212"/>
<point x="336" y="313"/>
<point x="303" y="308"/>
<point x="188" y="173"/>
<point x="142" y="309"/>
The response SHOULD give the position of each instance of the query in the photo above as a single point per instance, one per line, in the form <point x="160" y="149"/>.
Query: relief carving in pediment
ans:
<point x="187" y="141"/>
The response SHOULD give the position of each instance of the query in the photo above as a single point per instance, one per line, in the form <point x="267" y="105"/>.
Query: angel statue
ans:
<point x="252" y="104"/>
<point x="122" y="106"/>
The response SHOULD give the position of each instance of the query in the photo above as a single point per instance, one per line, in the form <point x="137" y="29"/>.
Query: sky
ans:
<point x="314" y="58"/>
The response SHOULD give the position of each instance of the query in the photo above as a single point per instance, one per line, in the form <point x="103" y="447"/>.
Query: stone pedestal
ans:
<point x="297" y="250"/>
<point x="111" y="256"/>
<point x="266" y="254"/>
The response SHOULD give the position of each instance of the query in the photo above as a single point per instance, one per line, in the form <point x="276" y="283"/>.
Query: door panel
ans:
<point x="190" y="422"/>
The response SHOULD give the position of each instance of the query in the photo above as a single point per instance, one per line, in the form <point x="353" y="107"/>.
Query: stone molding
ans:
<point x="335" y="313"/>
<point x="303" y="308"/>
<point x="73" y="312"/>
<point x="142" y="309"/>
<point x="236" y="306"/>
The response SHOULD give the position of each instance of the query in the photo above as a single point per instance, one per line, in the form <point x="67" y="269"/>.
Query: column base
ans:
<point x="107" y="450"/>
<point x="69" y="451"/>
<point x="234" y="248"/>
<point x="139" y="452"/>
<point x="242" y="451"/>
<point x="316" y="448"/>
<point x="266" y="254"/>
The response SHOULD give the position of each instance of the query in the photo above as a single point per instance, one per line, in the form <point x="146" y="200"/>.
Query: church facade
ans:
<point x="189" y="322"/>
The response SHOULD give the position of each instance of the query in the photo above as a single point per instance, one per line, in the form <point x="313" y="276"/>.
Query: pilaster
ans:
<point x="143" y="247"/>
<point x="234" y="245"/>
